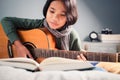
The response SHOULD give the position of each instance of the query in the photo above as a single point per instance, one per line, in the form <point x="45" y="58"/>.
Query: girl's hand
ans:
<point x="22" y="51"/>
<point x="81" y="57"/>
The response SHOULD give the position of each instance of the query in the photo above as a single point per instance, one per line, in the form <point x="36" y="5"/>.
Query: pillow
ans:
<point x="113" y="67"/>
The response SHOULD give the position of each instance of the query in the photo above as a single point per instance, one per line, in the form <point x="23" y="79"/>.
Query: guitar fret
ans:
<point x="70" y="55"/>
<point x="97" y="57"/>
<point x="53" y="53"/>
<point x="60" y="54"/>
<point x="45" y="55"/>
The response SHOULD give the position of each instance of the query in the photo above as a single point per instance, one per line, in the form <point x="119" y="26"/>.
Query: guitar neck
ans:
<point x="91" y="56"/>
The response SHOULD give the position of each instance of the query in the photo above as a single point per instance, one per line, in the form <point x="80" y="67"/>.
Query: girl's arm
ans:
<point x="75" y="44"/>
<point x="12" y="24"/>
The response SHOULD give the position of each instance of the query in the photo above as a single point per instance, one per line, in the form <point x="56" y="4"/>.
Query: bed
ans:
<point x="9" y="73"/>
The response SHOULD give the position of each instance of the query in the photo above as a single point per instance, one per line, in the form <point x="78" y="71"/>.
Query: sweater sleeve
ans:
<point x="75" y="41"/>
<point x="12" y="24"/>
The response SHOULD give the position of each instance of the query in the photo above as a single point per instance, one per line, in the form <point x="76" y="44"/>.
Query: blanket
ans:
<point x="10" y="73"/>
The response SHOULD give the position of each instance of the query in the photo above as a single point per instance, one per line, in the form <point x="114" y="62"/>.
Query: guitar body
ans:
<point x="34" y="38"/>
<point x="40" y="38"/>
<point x="3" y="44"/>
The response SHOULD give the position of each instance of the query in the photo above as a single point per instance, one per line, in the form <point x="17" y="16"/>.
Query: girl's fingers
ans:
<point x="81" y="57"/>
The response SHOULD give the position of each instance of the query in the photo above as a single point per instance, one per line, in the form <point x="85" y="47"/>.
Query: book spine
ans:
<point x="110" y="37"/>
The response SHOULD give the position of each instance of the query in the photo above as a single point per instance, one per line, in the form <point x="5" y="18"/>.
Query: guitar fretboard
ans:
<point x="91" y="56"/>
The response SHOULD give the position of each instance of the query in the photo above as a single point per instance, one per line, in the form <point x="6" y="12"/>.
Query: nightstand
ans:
<point x="101" y="47"/>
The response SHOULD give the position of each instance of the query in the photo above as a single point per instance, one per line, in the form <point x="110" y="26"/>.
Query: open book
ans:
<point x="51" y="63"/>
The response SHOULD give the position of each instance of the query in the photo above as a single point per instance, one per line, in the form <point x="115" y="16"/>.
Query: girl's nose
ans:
<point x="55" y="17"/>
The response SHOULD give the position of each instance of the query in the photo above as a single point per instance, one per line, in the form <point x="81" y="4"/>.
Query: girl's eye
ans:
<point x="52" y="11"/>
<point x="63" y="14"/>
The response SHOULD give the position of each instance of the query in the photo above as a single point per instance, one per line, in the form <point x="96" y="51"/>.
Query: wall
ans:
<point x="21" y="8"/>
<point x="94" y="15"/>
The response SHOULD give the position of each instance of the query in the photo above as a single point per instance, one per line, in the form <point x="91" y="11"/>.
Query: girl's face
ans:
<point x="56" y="15"/>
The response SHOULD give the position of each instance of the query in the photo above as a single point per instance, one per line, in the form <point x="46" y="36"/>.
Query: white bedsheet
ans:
<point x="10" y="73"/>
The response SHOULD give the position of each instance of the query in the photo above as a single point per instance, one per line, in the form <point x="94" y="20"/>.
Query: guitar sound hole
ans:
<point x="30" y="46"/>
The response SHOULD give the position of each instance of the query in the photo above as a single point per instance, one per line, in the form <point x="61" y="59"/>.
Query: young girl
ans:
<point x="59" y="16"/>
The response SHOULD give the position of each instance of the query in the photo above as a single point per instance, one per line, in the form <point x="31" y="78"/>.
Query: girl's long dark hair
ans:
<point x="72" y="14"/>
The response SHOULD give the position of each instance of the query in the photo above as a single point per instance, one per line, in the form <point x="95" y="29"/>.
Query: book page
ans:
<point x="57" y="63"/>
<point x="25" y="63"/>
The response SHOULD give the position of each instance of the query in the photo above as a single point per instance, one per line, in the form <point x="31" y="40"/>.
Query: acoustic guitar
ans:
<point x="41" y="44"/>
<point x="34" y="38"/>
